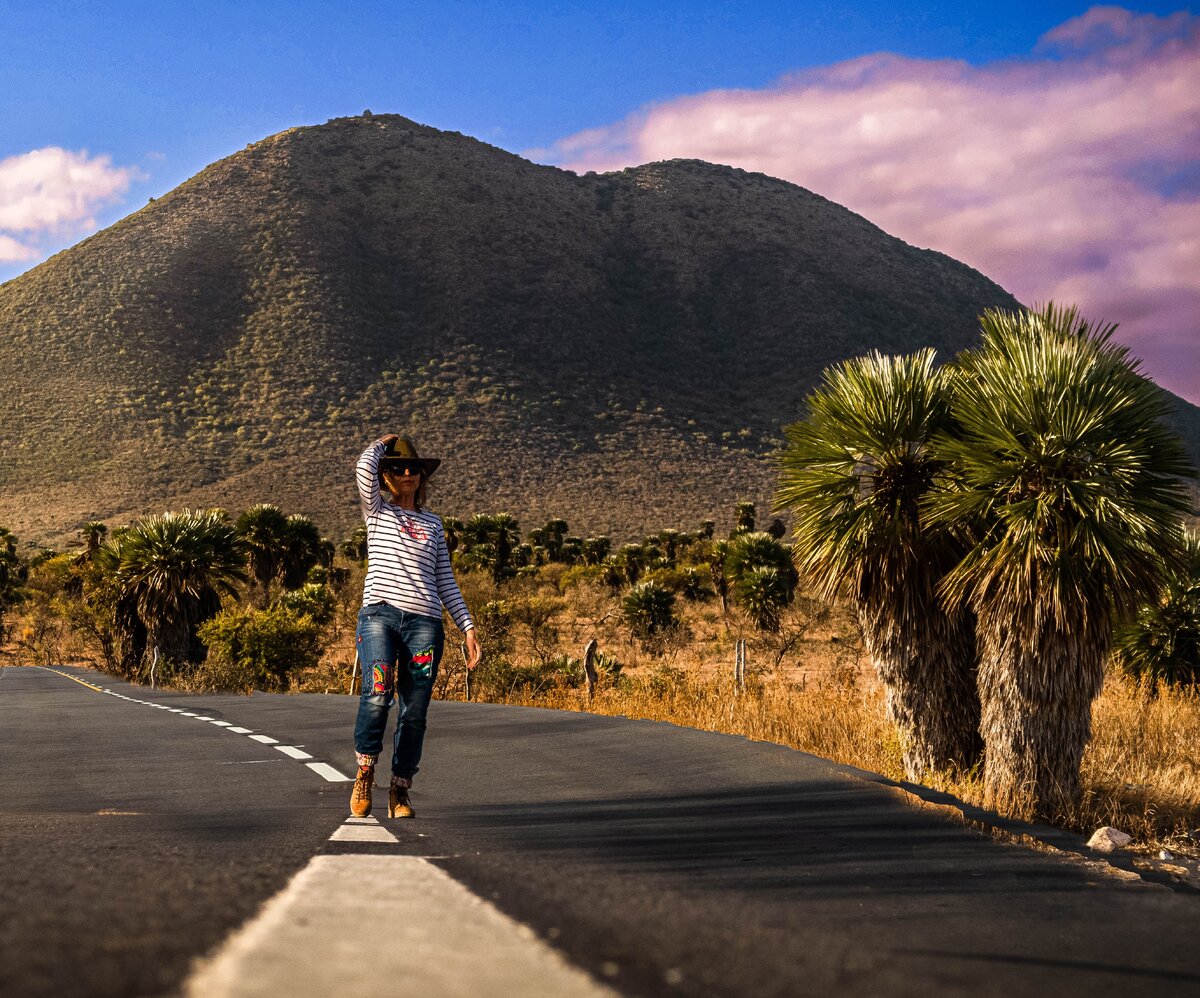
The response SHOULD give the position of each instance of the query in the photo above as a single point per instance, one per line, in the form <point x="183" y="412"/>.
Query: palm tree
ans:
<point x="303" y="549"/>
<point x="175" y="567"/>
<point x="762" y="576"/>
<point x="489" y="541"/>
<point x="1064" y="464"/>
<point x="1162" y="644"/>
<point x="263" y="531"/>
<point x="649" y="610"/>
<point x="854" y="474"/>
<point x="743" y="513"/>
<point x="13" y="573"/>
<point x="93" y="534"/>
<point x="354" y="547"/>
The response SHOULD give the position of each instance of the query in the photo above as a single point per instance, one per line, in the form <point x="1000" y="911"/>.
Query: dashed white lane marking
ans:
<point x="308" y="940"/>
<point x="328" y="772"/>
<point x="322" y="769"/>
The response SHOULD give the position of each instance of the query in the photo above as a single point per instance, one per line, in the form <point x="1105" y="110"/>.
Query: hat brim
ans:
<point x="428" y="464"/>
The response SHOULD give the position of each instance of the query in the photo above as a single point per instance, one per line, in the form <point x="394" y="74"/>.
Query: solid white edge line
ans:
<point x="322" y="769"/>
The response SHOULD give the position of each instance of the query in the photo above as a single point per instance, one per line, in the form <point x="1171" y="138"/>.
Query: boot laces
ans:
<point x="362" y="783"/>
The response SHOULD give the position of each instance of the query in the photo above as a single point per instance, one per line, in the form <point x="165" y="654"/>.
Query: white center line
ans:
<point x="300" y="942"/>
<point x="265" y="739"/>
<point x="362" y="833"/>
<point x="294" y="752"/>
<point x="222" y="724"/>
<point x="328" y="772"/>
<point x="241" y="731"/>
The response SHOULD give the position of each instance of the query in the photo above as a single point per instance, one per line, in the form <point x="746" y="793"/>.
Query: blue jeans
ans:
<point x="399" y="653"/>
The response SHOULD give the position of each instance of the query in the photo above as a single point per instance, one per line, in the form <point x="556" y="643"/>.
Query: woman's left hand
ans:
<point x="474" y="651"/>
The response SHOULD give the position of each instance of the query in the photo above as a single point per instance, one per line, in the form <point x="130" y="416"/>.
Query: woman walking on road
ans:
<point x="399" y="634"/>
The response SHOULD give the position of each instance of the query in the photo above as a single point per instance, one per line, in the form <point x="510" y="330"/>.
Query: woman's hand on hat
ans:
<point x="388" y="439"/>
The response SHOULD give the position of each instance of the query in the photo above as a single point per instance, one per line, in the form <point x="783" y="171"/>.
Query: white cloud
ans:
<point x="54" y="193"/>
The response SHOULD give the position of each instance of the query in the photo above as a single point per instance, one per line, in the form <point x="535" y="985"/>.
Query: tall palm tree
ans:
<point x="1063" y="462"/>
<point x="175" y="567"/>
<point x="762" y="576"/>
<point x="93" y="534"/>
<point x="854" y="474"/>
<point x="263" y="531"/>
<point x="303" y="549"/>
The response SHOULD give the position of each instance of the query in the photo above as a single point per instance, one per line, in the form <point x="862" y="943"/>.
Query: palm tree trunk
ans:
<point x="925" y="659"/>
<point x="1037" y="713"/>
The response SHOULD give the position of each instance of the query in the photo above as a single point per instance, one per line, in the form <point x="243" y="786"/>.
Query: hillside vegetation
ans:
<point x="621" y="349"/>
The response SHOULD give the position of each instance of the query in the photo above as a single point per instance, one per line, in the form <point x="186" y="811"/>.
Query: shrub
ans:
<point x="312" y="600"/>
<point x="256" y="649"/>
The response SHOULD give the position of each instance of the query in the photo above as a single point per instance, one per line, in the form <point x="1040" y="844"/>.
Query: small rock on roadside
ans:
<point x="1165" y="854"/>
<point x="1109" y="839"/>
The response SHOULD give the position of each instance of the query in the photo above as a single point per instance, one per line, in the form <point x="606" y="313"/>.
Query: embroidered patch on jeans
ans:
<point x="380" y="670"/>
<point x="423" y="662"/>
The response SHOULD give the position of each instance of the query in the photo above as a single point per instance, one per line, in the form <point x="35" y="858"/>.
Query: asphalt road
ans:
<point x="660" y="860"/>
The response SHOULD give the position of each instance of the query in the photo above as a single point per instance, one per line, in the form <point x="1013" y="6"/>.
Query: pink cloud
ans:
<point x="1073" y="174"/>
<point x="12" y="251"/>
<point x="53" y="192"/>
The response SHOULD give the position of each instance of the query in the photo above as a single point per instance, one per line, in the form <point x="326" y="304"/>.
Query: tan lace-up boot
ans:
<point x="360" y="796"/>
<point x="398" y="803"/>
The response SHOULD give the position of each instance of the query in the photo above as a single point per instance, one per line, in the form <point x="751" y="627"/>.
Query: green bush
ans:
<point x="312" y="600"/>
<point x="257" y="649"/>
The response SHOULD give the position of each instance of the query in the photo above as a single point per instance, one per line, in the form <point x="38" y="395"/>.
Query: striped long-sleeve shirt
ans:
<point x="408" y="564"/>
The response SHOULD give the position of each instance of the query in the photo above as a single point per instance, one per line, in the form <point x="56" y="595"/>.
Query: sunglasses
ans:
<point x="400" y="467"/>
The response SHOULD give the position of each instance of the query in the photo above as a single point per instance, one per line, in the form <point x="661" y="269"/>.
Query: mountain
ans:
<point x="619" y="349"/>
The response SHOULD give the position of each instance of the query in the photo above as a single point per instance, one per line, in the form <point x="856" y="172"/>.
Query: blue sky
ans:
<point x="159" y="90"/>
<point x="171" y="86"/>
